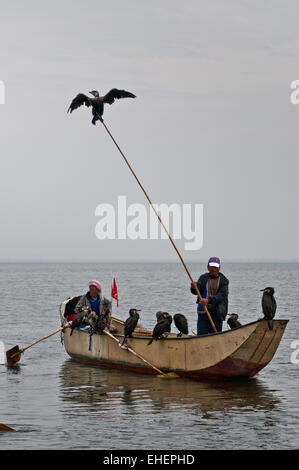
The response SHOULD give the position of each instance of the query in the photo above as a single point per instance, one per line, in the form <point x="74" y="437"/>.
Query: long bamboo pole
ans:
<point x="15" y="352"/>
<point x="45" y="337"/>
<point x="161" y="222"/>
<point x="135" y="353"/>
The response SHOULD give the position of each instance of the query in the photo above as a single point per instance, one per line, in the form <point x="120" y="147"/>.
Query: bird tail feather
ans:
<point x="270" y="324"/>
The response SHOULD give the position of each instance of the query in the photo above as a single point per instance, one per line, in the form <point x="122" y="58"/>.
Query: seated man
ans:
<point x="94" y="300"/>
<point x="213" y="288"/>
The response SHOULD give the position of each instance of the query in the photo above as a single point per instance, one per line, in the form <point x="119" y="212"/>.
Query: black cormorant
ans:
<point x="233" y="321"/>
<point x="269" y="305"/>
<point x="159" y="315"/>
<point x="98" y="101"/>
<point x="163" y="325"/>
<point x="181" y="323"/>
<point x="131" y="323"/>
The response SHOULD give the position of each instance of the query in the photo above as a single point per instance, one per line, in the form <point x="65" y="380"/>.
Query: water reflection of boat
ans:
<point x="99" y="389"/>
<point x="240" y="352"/>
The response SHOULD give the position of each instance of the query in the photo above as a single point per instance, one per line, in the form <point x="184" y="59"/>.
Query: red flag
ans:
<point x="114" y="293"/>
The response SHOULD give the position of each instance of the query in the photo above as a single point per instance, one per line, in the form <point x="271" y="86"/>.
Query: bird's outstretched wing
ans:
<point x="114" y="94"/>
<point x="78" y="101"/>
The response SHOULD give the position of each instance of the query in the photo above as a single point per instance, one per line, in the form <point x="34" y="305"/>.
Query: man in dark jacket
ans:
<point x="213" y="288"/>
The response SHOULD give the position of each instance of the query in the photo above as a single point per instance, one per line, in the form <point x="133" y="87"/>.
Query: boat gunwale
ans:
<point x="185" y="337"/>
<point x="189" y="337"/>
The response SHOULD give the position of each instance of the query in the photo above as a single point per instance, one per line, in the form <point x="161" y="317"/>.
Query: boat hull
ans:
<point x="241" y="352"/>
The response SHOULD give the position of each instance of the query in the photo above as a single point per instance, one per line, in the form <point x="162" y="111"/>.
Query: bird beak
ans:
<point x="262" y="290"/>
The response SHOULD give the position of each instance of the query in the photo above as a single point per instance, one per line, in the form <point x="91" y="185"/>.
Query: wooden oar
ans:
<point x="169" y="374"/>
<point x="13" y="355"/>
<point x="3" y="427"/>
<point x="161" y="222"/>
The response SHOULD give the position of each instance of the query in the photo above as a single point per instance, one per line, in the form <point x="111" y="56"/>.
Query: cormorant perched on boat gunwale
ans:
<point x="181" y="323"/>
<point x="130" y="323"/>
<point x="98" y="101"/>
<point x="163" y="325"/>
<point x="269" y="305"/>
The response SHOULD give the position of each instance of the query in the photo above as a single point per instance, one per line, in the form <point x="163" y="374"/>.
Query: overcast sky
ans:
<point x="212" y="124"/>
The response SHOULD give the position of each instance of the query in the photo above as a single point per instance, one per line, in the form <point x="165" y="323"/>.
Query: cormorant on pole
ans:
<point x="98" y="101"/>
<point x="269" y="305"/>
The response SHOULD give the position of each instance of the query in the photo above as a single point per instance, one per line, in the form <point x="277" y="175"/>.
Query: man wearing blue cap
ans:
<point x="213" y="288"/>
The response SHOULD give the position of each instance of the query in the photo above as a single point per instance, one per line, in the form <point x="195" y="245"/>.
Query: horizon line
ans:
<point x="238" y="260"/>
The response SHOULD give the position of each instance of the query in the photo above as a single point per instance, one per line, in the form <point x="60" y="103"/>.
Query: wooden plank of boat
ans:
<point x="253" y="355"/>
<point x="239" y="352"/>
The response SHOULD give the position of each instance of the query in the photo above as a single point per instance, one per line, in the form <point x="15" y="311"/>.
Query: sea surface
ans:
<point x="55" y="403"/>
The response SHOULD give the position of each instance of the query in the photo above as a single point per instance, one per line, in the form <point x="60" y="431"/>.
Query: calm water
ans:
<point x="53" y="402"/>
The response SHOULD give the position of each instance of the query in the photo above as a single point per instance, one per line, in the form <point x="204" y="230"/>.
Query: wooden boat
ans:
<point x="240" y="352"/>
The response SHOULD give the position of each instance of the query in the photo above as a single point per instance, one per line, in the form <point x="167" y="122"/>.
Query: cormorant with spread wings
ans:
<point x="98" y="101"/>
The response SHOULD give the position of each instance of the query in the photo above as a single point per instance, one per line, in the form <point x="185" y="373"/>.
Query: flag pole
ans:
<point x="110" y="315"/>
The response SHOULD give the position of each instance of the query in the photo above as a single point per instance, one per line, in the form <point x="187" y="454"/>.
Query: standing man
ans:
<point x="213" y="288"/>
